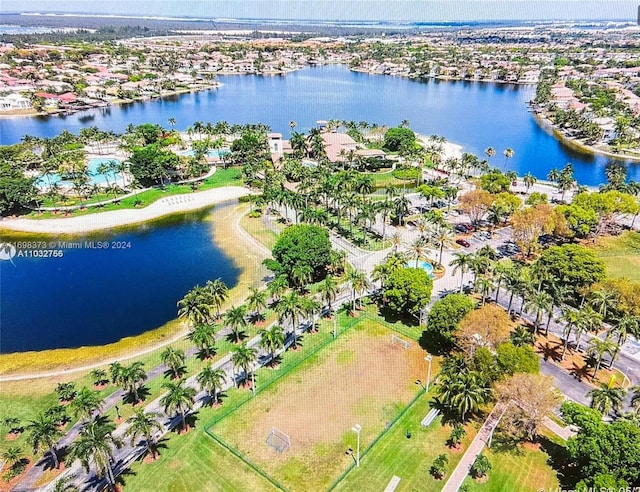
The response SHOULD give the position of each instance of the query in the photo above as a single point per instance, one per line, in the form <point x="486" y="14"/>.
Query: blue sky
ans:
<point x="414" y="10"/>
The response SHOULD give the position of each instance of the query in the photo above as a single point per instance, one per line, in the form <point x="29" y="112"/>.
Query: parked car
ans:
<point x="462" y="242"/>
<point x="460" y="228"/>
<point x="467" y="227"/>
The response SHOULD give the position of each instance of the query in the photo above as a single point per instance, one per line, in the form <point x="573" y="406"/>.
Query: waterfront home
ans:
<point x="13" y="102"/>
<point x="337" y="145"/>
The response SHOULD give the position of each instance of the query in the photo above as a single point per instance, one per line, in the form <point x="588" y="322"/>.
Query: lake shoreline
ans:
<point x="576" y="144"/>
<point x="173" y="204"/>
<point x="229" y="237"/>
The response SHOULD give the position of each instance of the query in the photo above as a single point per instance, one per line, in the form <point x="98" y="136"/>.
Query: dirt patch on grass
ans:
<point x="361" y="379"/>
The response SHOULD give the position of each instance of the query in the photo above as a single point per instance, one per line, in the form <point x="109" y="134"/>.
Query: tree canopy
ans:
<point x="399" y="138"/>
<point x="572" y="265"/>
<point x="301" y="247"/>
<point x="444" y="317"/>
<point x="407" y="290"/>
<point x="151" y="164"/>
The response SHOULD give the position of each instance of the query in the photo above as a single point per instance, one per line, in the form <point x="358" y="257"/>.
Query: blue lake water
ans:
<point x="475" y="115"/>
<point x="92" y="297"/>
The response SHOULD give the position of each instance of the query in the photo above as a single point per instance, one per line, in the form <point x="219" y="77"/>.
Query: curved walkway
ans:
<point x="117" y="218"/>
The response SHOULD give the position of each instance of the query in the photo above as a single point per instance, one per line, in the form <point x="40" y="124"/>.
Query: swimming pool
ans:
<point x="425" y="265"/>
<point x="212" y="154"/>
<point x="94" y="176"/>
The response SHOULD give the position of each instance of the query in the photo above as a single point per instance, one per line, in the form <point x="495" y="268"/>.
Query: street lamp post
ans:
<point x="357" y="428"/>
<point x="253" y="382"/>
<point x="428" y="358"/>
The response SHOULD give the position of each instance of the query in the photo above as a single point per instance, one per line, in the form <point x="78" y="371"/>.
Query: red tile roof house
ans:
<point x="337" y="144"/>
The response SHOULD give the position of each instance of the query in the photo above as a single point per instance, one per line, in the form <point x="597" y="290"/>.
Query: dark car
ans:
<point x="468" y="227"/>
<point x="462" y="242"/>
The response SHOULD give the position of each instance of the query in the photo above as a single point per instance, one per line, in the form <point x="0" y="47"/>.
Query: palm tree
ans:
<point x="359" y="284"/>
<point x="218" y="292"/>
<point x="441" y="236"/>
<point x="539" y="301"/>
<point x="132" y="377"/>
<point x="521" y="336"/>
<point x="291" y="306"/>
<point x="603" y="299"/>
<point x="277" y="287"/>
<point x="178" y="400"/>
<point x="212" y="380"/>
<point x="196" y="306"/>
<point x="508" y="154"/>
<point x="272" y="339"/>
<point x="626" y="325"/>
<point x="597" y="349"/>
<point x="66" y="391"/>
<point x="12" y="456"/>
<point x="235" y="320"/>
<point x="256" y="301"/>
<point x="174" y="360"/>
<point x="243" y="357"/>
<point x="490" y="152"/>
<point x="462" y="262"/>
<point x="204" y="337"/>
<point x="607" y="398"/>
<point x="588" y="320"/>
<point x="95" y="446"/>
<point x="463" y="392"/>
<point x="571" y="319"/>
<point x="99" y="377"/>
<point x="44" y="432"/>
<point x="85" y="403"/>
<point x="328" y="289"/>
<point x="144" y="425"/>
<point x="65" y="484"/>
<point x="529" y="180"/>
<point x="115" y="371"/>
<point x="418" y="249"/>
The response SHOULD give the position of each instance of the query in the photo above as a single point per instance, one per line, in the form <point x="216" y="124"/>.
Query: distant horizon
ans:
<point x="341" y="10"/>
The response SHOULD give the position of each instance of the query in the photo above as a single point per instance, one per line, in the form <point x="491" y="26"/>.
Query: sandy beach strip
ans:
<point x="449" y="149"/>
<point x="105" y="220"/>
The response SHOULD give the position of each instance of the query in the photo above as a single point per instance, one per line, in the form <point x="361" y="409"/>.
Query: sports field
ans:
<point x="362" y="378"/>
<point x="621" y="255"/>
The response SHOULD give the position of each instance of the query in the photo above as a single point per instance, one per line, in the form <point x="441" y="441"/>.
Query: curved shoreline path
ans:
<point x="106" y="220"/>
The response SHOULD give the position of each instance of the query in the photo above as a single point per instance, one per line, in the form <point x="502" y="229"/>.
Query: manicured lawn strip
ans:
<point x="193" y="462"/>
<point x="256" y="228"/>
<point x="383" y="179"/>
<point x="409" y="459"/>
<point x="222" y="177"/>
<point x="621" y="255"/>
<point x="523" y="467"/>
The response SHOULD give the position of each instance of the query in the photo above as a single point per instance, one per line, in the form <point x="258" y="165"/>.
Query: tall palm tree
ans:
<point x="256" y="301"/>
<point x="598" y="348"/>
<point x="94" y="446"/>
<point x="144" y="425"/>
<point x="204" y="337"/>
<point x="44" y="432"/>
<point x="461" y="262"/>
<point x="490" y="152"/>
<point x="196" y="306"/>
<point x="132" y="377"/>
<point x="212" y="380"/>
<point x="539" y="302"/>
<point x="174" y="359"/>
<point x="603" y="300"/>
<point x="218" y="292"/>
<point x="463" y="392"/>
<point x="86" y="403"/>
<point x="441" y="236"/>
<point x="242" y="357"/>
<point x="418" y="249"/>
<point x="272" y="339"/>
<point x="328" y="290"/>
<point x="235" y="320"/>
<point x="529" y="180"/>
<point x="571" y="319"/>
<point x="588" y="321"/>
<point x="359" y="284"/>
<point x="606" y="398"/>
<point x="508" y="154"/>
<point x="626" y="325"/>
<point x="291" y="307"/>
<point x="178" y="400"/>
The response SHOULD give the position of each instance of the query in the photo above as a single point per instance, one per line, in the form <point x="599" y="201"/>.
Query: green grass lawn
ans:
<point x="409" y="459"/>
<point x="222" y="177"/>
<point x="621" y="255"/>
<point x="524" y="468"/>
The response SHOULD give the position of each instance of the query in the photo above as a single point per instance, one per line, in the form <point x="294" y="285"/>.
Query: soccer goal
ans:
<point x="278" y="440"/>
<point x="396" y="340"/>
